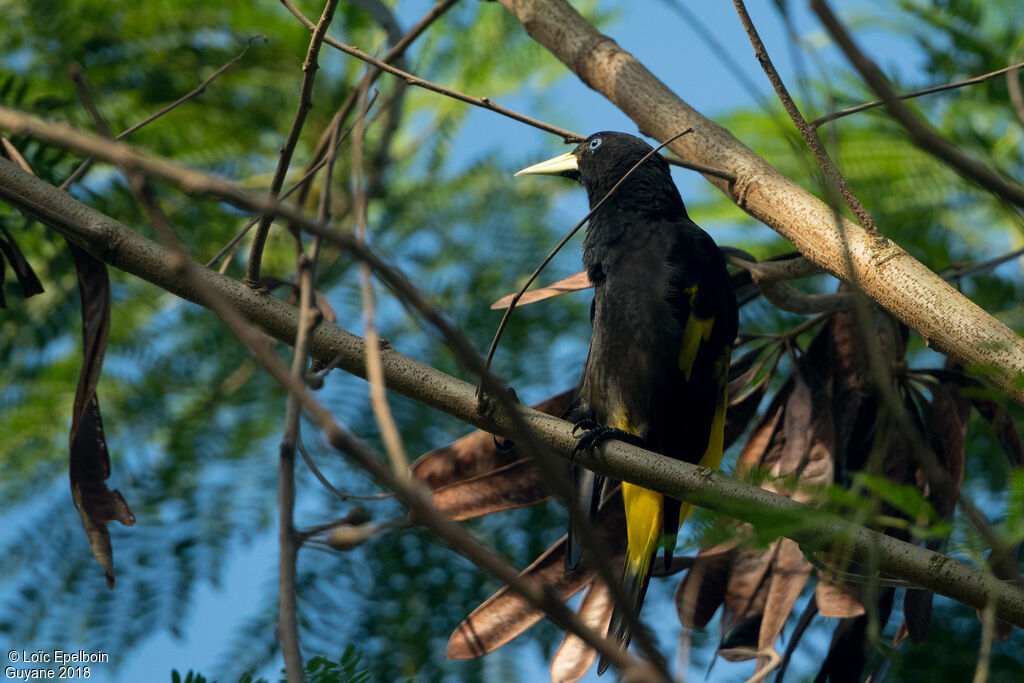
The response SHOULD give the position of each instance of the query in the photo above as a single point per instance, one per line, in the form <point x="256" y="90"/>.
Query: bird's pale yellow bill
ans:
<point x="563" y="163"/>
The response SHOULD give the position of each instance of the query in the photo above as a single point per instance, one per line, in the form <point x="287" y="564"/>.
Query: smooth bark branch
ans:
<point x="123" y="248"/>
<point x="946" y="319"/>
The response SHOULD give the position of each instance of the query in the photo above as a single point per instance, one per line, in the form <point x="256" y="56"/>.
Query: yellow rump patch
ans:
<point x="712" y="457"/>
<point x="644" y="514"/>
<point x="697" y="330"/>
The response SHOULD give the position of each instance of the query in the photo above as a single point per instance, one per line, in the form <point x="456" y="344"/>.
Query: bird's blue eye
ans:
<point x="595" y="143"/>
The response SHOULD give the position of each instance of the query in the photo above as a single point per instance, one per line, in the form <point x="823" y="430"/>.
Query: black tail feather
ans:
<point x="635" y="586"/>
<point x="588" y="487"/>
<point x="670" y="526"/>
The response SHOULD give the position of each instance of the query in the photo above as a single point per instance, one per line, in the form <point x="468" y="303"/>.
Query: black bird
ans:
<point x="664" y="318"/>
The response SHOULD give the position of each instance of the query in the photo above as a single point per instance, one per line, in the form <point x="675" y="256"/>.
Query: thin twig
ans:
<point x="920" y="132"/>
<point x="12" y="153"/>
<point x="357" y="517"/>
<point x="533" y="276"/>
<point x="318" y="158"/>
<point x="311" y="464"/>
<point x="137" y="182"/>
<point x="1013" y="85"/>
<point x="767" y="271"/>
<point x="988" y="629"/>
<point x="392" y="55"/>
<point x="786" y="297"/>
<point x="309" y="317"/>
<point x="288" y="622"/>
<point x="917" y="93"/>
<point x="288" y="540"/>
<point x="770" y="278"/>
<point x="701" y="168"/>
<point x="287" y="628"/>
<point x="374" y="370"/>
<point x="483" y="102"/>
<point x="972" y="269"/>
<point x="300" y="183"/>
<point x="87" y="163"/>
<point x="807" y="132"/>
<point x="309" y="68"/>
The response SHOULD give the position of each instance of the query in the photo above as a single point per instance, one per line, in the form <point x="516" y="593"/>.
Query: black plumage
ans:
<point x="664" y="317"/>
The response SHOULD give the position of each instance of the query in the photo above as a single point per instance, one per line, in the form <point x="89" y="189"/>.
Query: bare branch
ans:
<point x="1010" y="71"/>
<point x="309" y="69"/>
<point x="1014" y="91"/>
<point x="482" y="102"/>
<point x="84" y="167"/>
<point x="394" y="54"/>
<point x="920" y="132"/>
<point x="807" y="132"/>
<point x="770" y="278"/>
<point x="299" y="184"/>
<point x="988" y="628"/>
<point x="374" y="371"/>
<point x="486" y="103"/>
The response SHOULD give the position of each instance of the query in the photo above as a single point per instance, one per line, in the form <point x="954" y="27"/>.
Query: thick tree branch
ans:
<point x="123" y="248"/>
<point x="899" y="283"/>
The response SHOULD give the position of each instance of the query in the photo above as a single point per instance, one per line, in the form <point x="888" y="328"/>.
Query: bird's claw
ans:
<point x="593" y="435"/>
<point x="504" y="445"/>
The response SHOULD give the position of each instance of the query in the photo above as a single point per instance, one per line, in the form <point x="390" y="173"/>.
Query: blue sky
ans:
<point x="674" y="51"/>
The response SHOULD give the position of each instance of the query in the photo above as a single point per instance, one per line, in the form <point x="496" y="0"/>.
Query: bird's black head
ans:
<point x="600" y="161"/>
